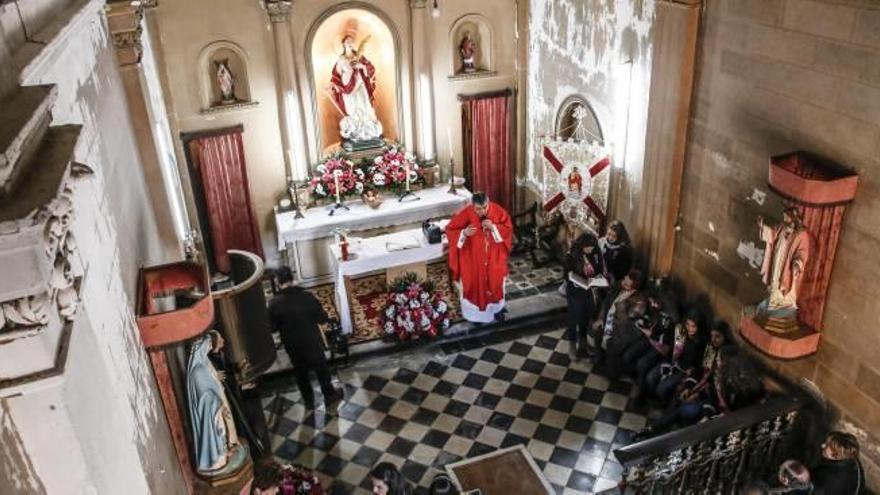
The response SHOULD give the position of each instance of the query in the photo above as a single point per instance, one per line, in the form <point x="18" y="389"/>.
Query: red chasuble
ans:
<point x="480" y="264"/>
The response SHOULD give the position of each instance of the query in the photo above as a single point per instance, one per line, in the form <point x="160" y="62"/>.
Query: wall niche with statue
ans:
<point x="223" y="78"/>
<point x="471" y="48"/>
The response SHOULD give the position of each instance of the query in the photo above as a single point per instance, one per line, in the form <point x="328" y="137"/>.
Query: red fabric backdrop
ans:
<point x="486" y="123"/>
<point x="233" y="225"/>
<point x="823" y="224"/>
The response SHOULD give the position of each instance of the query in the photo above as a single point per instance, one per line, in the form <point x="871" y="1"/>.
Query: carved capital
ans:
<point x="418" y="4"/>
<point x="124" y="21"/>
<point x="279" y="10"/>
<point x="150" y="4"/>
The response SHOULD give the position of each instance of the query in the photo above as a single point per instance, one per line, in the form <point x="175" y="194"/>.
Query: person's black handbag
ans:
<point x="432" y="232"/>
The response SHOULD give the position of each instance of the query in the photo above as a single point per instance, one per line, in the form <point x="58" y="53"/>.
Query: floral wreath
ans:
<point x="414" y="309"/>
<point x="298" y="480"/>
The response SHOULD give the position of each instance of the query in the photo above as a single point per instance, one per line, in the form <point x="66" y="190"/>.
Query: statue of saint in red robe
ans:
<point x="480" y="237"/>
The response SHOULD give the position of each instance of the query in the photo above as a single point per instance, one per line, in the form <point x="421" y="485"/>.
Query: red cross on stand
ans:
<point x="559" y="197"/>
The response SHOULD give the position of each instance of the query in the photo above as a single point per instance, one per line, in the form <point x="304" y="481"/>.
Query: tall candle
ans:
<point x="406" y="168"/>
<point x="336" y="175"/>
<point x="449" y="138"/>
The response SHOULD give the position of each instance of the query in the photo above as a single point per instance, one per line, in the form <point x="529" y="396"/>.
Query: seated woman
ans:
<point x="387" y="480"/>
<point x="793" y="479"/>
<point x="617" y="253"/>
<point x="613" y="313"/>
<point x="687" y="352"/>
<point x="626" y="334"/>
<point x="839" y="471"/>
<point x="585" y="260"/>
<point x="657" y="327"/>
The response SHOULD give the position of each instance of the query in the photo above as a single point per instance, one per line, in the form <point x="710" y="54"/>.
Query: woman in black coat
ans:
<point x="839" y="472"/>
<point x="617" y="252"/>
<point x="585" y="260"/>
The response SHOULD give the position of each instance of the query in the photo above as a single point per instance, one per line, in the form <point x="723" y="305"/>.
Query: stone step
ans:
<point x="24" y="118"/>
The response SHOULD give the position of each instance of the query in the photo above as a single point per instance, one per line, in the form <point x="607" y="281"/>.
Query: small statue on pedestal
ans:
<point x="225" y="81"/>
<point x="218" y="451"/>
<point x="786" y="255"/>
<point x="468" y="49"/>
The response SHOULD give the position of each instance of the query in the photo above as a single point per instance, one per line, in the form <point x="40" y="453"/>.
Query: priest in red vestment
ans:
<point x="480" y="237"/>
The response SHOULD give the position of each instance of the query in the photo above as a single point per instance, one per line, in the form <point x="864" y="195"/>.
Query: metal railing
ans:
<point x="716" y="456"/>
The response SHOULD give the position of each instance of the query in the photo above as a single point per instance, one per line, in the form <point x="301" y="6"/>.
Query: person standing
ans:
<point x="295" y="313"/>
<point x="584" y="260"/>
<point x="617" y="252"/>
<point x="480" y="238"/>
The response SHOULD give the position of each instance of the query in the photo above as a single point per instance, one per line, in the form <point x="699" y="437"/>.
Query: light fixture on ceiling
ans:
<point x="435" y="11"/>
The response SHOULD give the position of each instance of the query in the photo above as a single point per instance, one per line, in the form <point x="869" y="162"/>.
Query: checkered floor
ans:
<point x="456" y="404"/>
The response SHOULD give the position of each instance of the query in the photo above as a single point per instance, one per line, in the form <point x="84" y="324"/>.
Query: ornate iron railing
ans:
<point x="716" y="456"/>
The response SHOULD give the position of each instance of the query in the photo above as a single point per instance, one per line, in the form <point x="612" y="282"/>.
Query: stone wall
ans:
<point x="98" y="427"/>
<point x="776" y="76"/>
<point x="601" y="50"/>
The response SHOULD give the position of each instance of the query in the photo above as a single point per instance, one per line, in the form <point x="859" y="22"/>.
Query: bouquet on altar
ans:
<point x="337" y="172"/>
<point x="414" y="309"/>
<point x="390" y="169"/>
<point x="297" y="480"/>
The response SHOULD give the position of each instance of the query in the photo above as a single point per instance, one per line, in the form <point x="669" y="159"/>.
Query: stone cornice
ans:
<point x="279" y="10"/>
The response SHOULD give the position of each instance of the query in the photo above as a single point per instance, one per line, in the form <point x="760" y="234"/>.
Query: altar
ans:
<point x="307" y="240"/>
<point x="406" y="250"/>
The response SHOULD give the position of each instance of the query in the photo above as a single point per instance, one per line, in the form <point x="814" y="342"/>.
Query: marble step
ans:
<point x="24" y="118"/>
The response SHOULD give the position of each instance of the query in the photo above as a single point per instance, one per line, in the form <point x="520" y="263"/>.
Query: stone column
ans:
<point x="125" y="22"/>
<point x="293" y="137"/>
<point x="675" y="34"/>
<point x="426" y="148"/>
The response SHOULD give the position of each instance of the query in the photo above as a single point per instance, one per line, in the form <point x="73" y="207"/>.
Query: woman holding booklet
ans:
<point x="584" y="286"/>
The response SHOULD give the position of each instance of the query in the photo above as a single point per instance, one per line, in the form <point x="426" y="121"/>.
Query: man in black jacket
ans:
<point x="296" y="314"/>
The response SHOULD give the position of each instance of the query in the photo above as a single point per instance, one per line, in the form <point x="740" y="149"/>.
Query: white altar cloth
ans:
<point x="372" y="254"/>
<point x="435" y="202"/>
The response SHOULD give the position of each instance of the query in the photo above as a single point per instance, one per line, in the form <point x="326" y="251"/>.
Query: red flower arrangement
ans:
<point x="351" y="178"/>
<point x="389" y="169"/>
<point x="300" y="481"/>
<point x="414" y="309"/>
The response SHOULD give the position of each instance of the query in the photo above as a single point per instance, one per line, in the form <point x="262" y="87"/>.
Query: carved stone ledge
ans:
<point x="279" y="10"/>
<point x="230" y="107"/>
<point x="465" y="76"/>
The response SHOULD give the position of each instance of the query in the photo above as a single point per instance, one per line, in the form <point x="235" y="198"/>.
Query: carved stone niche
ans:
<point x="42" y="269"/>
<point x="224" y="82"/>
<point x="477" y="29"/>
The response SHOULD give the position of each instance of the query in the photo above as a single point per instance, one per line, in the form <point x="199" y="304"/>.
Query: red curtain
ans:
<point x="486" y="124"/>
<point x="824" y="224"/>
<point x="220" y="160"/>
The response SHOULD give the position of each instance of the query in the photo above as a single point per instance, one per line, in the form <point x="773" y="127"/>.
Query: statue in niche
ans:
<point x="467" y="49"/>
<point x="353" y="87"/>
<point x="217" y="449"/>
<point x="786" y="255"/>
<point x="225" y="81"/>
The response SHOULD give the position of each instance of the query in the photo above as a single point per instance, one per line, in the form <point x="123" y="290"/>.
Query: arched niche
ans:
<point x="575" y="108"/>
<point x="236" y="60"/>
<point x="323" y="49"/>
<point x="478" y="29"/>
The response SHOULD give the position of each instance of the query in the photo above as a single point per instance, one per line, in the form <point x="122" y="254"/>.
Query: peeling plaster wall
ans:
<point x="600" y="49"/>
<point x="101" y="429"/>
<point x="777" y="76"/>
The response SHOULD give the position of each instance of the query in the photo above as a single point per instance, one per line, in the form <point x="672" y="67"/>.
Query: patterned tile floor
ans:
<point x="434" y="406"/>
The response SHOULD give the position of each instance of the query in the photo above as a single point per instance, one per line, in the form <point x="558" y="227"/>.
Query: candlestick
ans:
<point x="336" y="175"/>
<point x="452" y="189"/>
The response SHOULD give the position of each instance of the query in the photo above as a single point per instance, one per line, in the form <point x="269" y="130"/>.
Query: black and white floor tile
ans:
<point x="459" y="401"/>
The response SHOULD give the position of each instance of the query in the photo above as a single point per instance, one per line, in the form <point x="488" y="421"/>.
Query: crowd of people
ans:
<point x="688" y="368"/>
<point x="685" y="363"/>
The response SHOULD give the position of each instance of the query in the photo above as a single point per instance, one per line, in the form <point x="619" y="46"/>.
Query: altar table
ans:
<point x="306" y="240"/>
<point x="372" y="254"/>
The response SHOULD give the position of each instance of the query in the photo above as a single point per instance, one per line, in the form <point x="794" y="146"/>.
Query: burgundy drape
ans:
<point x="486" y="124"/>
<point x="220" y="161"/>
<point x="823" y="224"/>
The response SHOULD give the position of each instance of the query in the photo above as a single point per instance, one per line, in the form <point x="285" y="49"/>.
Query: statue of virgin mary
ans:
<point x="353" y="84"/>
<point x="214" y="436"/>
